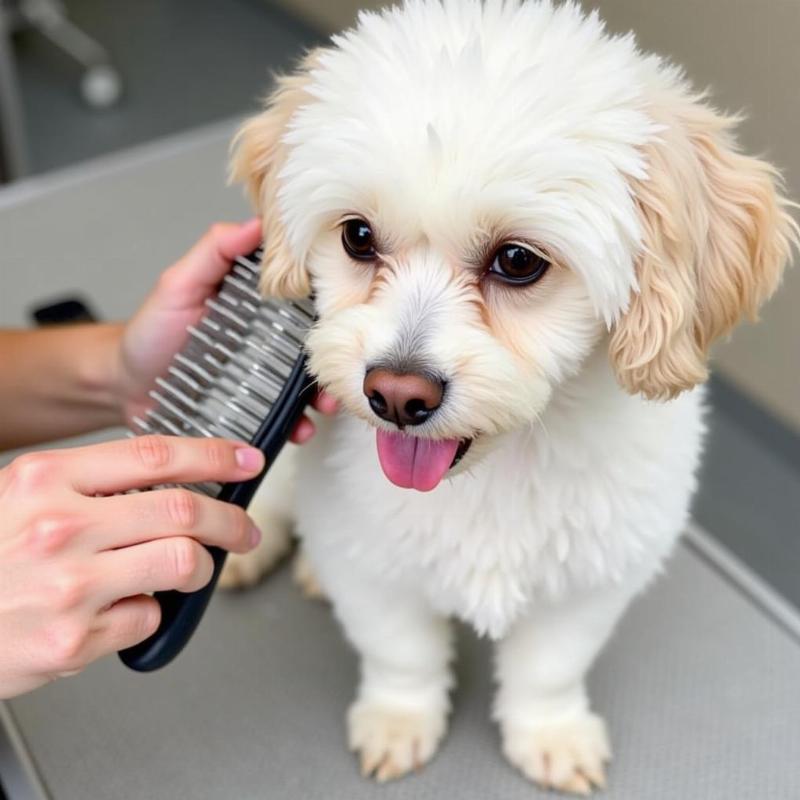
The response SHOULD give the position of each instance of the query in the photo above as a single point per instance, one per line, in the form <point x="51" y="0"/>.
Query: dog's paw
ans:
<point x="305" y="577"/>
<point x="569" y="756"/>
<point x="244" y="570"/>
<point x="391" y="742"/>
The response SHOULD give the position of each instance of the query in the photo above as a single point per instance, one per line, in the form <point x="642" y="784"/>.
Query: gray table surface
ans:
<point x="701" y="683"/>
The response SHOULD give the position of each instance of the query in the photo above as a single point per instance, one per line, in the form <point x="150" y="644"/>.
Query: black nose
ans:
<point x="409" y="399"/>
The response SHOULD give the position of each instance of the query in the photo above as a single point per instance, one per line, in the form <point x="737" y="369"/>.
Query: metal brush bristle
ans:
<point x="235" y="364"/>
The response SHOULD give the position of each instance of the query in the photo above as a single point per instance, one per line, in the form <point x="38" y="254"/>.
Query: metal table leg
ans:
<point x="13" y="150"/>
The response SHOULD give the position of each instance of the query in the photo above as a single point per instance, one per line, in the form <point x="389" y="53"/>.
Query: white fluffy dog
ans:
<point x="522" y="235"/>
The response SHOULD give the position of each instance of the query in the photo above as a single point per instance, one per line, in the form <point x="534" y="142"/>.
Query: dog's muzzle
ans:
<point x="404" y="399"/>
<point x="410" y="399"/>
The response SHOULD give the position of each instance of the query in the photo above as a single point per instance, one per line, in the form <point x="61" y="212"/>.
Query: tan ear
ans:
<point x="716" y="239"/>
<point x="257" y="155"/>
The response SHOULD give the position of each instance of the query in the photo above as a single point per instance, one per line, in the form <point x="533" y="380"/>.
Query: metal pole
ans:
<point x="13" y="150"/>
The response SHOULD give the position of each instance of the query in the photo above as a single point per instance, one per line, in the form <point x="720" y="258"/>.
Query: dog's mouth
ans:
<point x="415" y="463"/>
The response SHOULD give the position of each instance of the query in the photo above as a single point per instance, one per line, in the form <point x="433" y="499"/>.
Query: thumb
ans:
<point x="197" y="274"/>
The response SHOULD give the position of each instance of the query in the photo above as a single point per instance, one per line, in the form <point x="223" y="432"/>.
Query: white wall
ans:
<point x="747" y="52"/>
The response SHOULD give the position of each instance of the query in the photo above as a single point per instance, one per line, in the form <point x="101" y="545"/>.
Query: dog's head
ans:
<point x="480" y="195"/>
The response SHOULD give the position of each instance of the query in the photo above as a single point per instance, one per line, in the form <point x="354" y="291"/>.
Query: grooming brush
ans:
<point x="241" y="376"/>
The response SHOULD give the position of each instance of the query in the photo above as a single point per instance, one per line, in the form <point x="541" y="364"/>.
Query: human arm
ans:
<point x="68" y="380"/>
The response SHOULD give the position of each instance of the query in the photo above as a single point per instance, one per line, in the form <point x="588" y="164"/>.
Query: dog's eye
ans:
<point x="518" y="265"/>
<point x="358" y="239"/>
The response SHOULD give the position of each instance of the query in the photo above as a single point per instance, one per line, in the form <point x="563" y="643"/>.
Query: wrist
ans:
<point x="101" y="375"/>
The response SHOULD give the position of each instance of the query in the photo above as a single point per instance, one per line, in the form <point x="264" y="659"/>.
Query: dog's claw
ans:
<point x="369" y="763"/>
<point x="595" y="775"/>
<point x="566" y="756"/>
<point x="577" y="784"/>
<point x="390" y="742"/>
<point x="387" y="771"/>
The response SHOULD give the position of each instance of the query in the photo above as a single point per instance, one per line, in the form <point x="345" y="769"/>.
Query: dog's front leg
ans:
<point x="400" y="712"/>
<point x="547" y="728"/>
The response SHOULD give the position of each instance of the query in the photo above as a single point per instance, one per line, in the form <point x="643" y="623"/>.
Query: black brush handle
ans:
<point x="181" y="612"/>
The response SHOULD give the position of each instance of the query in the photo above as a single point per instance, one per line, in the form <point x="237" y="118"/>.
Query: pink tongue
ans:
<point x="414" y="463"/>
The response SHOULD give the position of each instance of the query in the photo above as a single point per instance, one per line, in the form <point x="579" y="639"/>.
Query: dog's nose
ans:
<point x="408" y="399"/>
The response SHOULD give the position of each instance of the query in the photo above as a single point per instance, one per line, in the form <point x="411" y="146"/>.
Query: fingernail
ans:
<point x="250" y="459"/>
<point x="255" y="536"/>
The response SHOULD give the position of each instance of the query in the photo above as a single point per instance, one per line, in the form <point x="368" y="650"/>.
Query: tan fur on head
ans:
<point x="716" y="239"/>
<point x="258" y="154"/>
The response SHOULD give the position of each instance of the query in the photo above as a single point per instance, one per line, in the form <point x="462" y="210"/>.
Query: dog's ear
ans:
<point x="716" y="237"/>
<point x="257" y="155"/>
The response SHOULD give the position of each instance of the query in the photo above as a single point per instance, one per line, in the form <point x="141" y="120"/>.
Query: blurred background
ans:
<point x="89" y="78"/>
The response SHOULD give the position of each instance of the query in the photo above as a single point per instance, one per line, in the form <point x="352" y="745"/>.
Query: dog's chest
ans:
<point x="528" y="523"/>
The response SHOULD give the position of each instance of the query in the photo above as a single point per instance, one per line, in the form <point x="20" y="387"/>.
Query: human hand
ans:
<point x="158" y="330"/>
<point x="77" y="558"/>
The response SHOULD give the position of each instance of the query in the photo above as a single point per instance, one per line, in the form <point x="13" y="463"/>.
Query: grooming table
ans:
<point x="700" y="685"/>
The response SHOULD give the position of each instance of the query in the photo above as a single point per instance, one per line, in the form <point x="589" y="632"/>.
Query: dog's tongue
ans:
<point x="414" y="463"/>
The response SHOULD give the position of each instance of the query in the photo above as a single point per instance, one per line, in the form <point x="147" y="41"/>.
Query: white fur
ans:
<point x="452" y="126"/>
<point x="541" y="545"/>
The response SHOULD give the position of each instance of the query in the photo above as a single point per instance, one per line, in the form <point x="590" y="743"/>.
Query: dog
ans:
<point x="522" y="235"/>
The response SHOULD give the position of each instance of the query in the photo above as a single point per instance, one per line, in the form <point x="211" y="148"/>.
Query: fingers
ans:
<point x="177" y="563"/>
<point x="325" y="403"/>
<point x="147" y="461"/>
<point x="124" y="624"/>
<point x="195" y="275"/>
<point x="74" y="643"/>
<point x="125" y="520"/>
<point x="304" y="430"/>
